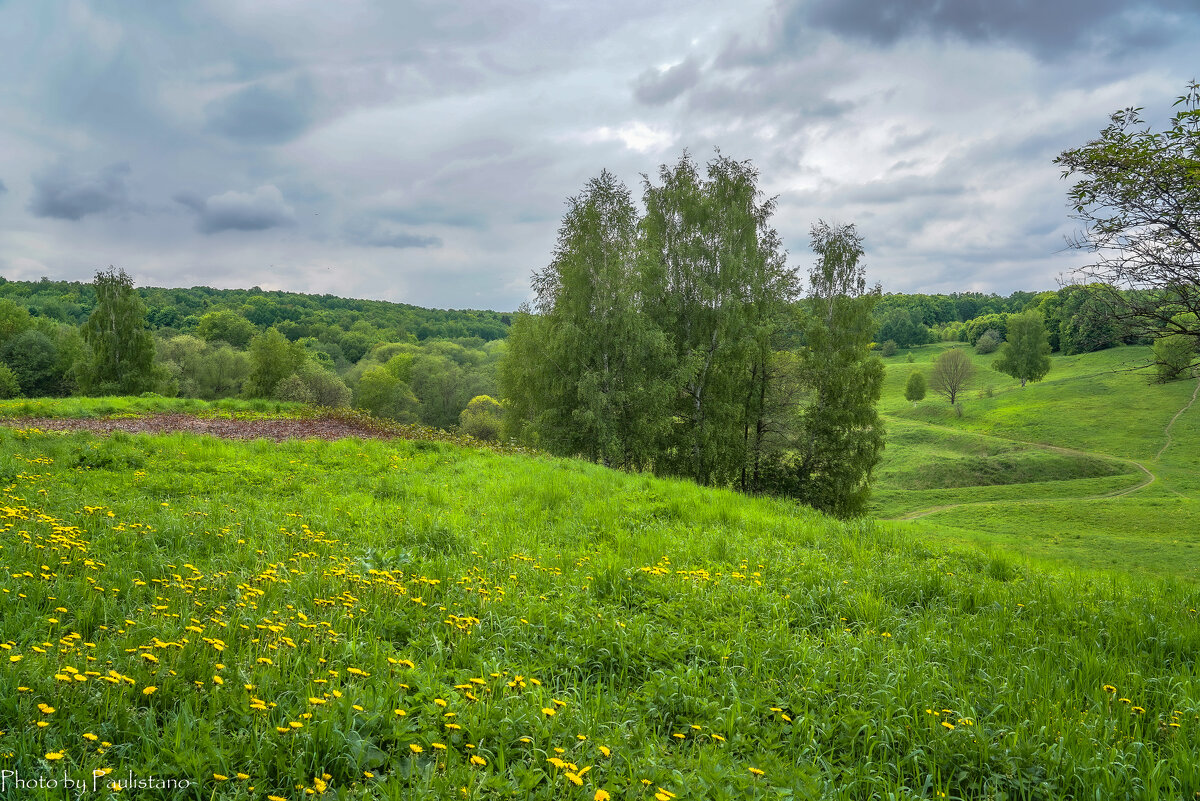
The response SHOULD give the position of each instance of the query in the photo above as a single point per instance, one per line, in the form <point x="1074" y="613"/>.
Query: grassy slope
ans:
<point x="1091" y="403"/>
<point x="149" y="404"/>
<point x="691" y="634"/>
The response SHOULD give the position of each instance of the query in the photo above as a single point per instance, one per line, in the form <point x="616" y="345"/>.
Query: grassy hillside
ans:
<point x="399" y="619"/>
<point x="1078" y="468"/>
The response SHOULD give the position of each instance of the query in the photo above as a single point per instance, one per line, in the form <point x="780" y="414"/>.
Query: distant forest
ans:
<point x="394" y="360"/>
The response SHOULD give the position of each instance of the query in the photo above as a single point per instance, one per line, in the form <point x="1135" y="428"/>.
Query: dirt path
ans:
<point x="1148" y="476"/>
<point x="1170" y="425"/>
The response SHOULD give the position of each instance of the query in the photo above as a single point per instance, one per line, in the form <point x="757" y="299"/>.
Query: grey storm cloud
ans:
<point x="655" y="87"/>
<point x="1047" y="28"/>
<point x="239" y="211"/>
<point x="262" y="113"/>
<point x="385" y="234"/>
<point x="3" y="188"/>
<point x="422" y="151"/>
<point x="61" y="193"/>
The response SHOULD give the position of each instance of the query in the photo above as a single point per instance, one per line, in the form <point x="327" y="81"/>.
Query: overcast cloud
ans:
<point x="422" y="152"/>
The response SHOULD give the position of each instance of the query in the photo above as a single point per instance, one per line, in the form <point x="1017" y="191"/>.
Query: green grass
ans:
<point x="1025" y="469"/>
<point x="81" y="407"/>
<point x="680" y="636"/>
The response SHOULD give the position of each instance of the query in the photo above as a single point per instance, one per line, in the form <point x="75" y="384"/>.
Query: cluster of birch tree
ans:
<point x="677" y="340"/>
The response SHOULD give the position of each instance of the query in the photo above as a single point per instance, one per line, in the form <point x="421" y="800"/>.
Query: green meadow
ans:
<point x="397" y="619"/>
<point x="1078" y="470"/>
<point x="407" y="619"/>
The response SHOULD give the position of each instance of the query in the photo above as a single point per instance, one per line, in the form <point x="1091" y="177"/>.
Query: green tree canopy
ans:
<point x="1025" y="355"/>
<point x="1137" y="193"/>
<point x="122" y="348"/>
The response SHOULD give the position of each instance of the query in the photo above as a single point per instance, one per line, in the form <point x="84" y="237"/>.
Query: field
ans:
<point x="405" y="619"/>
<point x="1092" y="468"/>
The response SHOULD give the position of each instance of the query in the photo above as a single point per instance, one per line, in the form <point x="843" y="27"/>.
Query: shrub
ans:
<point x="888" y="348"/>
<point x="1173" y="355"/>
<point x="482" y="419"/>
<point x="914" y="389"/>
<point x="988" y="341"/>
<point x="9" y="386"/>
<point x="293" y="388"/>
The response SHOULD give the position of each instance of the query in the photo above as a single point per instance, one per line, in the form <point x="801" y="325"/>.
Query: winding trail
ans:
<point x="1167" y="430"/>
<point x="1148" y="475"/>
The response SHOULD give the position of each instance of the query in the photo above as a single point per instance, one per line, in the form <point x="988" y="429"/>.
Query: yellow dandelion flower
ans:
<point x="221" y="778"/>
<point x="948" y="725"/>
<point x="439" y="746"/>
<point x="400" y="713"/>
<point x="317" y="701"/>
<point x="574" y="779"/>
<point x="53" y="755"/>
<point x="440" y="701"/>
<point x="478" y="760"/>
<point x="149" y="657"/>
<point x="90" y="736"/>
<point x="756" y="771"/>
<point x="548" y="712"/>
<point x="151" y="690"/>
<point x="604" y="750"/>
<point x="416" y="749"/>
<point x="601" y="795"/>
<point x="218" y="680"/>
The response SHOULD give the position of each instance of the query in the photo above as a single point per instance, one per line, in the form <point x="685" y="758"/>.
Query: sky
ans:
<point x="423" y="152"/>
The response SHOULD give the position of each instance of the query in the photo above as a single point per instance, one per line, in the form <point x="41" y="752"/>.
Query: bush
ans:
<point x="326" y="388"/>
<point x="482" y="419"/>
<point x="294" y="388"/>
<point x="914" y="389"/>
<point x="9" y="386"/>
<point x="1173" y="355"/>
<point x="988" y="342"/>
<point x="888" y="348"/>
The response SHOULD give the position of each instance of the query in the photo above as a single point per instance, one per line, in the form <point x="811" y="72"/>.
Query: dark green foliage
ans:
<point x="122" y="349"/>
<point x="293" y="388"/>
<point x="13" y="320"/>
<point x="840" y="436"/>
<point x="914" y="387"/>
<point x="384" y="390"/>
<point x="325" y="387"/>
<point x="724" y="298"/>
<point x="888" y="348"/>
<point x="988" y="342"/>
<point x="1173" y="355"/>
<point x="226" y="326"/>
<point x="10" y="387"/>
<point x="978" y="326"/>
<point x="904" y="327"/>
<point x="591" y="374"/>
<point x="33" y="359"/>
<point x="1026" y="353"/>
<point x="272" y="359"/>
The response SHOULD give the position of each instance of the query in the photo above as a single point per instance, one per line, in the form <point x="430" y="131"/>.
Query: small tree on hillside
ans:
<point x="1026" y="353"/>
<point x="952" y="371"/>
<point x="122" y="348"/>
<point x="914" y="388"/>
